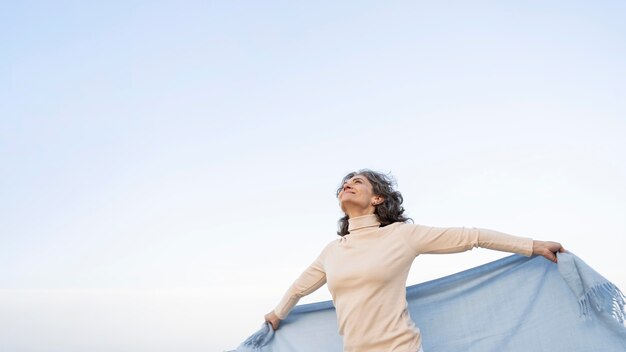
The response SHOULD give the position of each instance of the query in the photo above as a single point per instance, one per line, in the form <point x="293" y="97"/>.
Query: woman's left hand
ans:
<point x="547" y="249"/>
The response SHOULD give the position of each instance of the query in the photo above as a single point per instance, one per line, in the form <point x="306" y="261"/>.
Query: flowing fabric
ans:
<point x="513" y="304"/>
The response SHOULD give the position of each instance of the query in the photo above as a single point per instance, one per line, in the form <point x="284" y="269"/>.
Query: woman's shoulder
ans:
<point x="393" y="229"/>
<point x="400" y="225"/>
<point x="329" y="247"/>
<point x="333" y="243"/>
<point x="408" y="228"/>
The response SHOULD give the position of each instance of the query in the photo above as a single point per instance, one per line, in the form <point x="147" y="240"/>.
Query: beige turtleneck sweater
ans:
<point x="366" y="272"/>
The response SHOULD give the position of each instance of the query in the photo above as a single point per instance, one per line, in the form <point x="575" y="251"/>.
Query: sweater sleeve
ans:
<point x="312" y="278"/>
<point x="436" y="240"/>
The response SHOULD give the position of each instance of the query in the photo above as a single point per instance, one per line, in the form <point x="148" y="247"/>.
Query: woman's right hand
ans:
<point x="272" y="319"/>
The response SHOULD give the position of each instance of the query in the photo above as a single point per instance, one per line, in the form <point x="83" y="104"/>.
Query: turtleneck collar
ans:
<point x="363" y="221"/>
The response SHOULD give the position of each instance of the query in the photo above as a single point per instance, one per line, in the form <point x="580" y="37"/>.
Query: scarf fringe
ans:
<point x="605" y="297"/>
<point x="256" y="340"/>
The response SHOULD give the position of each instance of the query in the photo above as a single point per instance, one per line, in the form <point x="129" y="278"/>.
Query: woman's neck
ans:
<point x="354" y="212"/>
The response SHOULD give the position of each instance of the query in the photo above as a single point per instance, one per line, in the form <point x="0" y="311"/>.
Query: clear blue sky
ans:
<point x="168" y="168"/>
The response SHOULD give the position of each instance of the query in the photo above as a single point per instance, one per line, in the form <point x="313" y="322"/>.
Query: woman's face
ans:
<point x="357" y="193"/>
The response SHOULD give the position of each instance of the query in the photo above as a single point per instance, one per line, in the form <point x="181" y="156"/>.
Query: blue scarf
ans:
<point x="512" y="304"/>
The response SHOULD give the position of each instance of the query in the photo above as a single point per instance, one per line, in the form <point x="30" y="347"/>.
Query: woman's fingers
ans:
<point x="546" y="253"/>
<point x="272" y="319"/>
<point x="547" y="249"/>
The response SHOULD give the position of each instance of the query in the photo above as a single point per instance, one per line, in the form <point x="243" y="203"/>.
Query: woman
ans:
<point x="367" y="267"/>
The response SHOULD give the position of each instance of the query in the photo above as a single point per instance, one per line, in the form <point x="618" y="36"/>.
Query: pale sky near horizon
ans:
<point x="169" y="168"/>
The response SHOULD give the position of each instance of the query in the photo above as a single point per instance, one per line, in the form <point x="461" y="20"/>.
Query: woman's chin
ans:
<point x="347" y="203"/>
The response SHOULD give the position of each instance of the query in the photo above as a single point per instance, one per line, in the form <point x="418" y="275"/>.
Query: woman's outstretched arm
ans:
<point x="312" y="278"/>
<point x="436" y="240"/>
